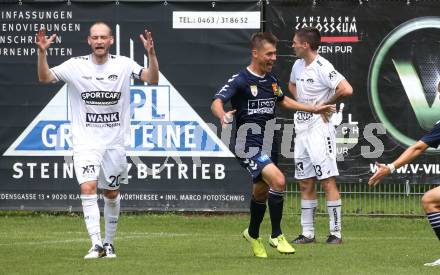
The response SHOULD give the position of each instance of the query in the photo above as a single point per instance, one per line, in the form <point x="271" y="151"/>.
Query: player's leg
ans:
<point x="86" y="164"/>
<point x="305" y="173"/>
<point x="431" y="205"/>
<point x="309" y="203"/>
<point x="276" y="182"/>
<point x="257" y="211"/>
<point x="89" y="200"/>
<point x="323" y="156"/>
<point x="334" y="204"/>
<point x="112" y="206"/>
<point x="114" y="173"/>
<point x="257" y="207"/>
<point x="274" y="178"/>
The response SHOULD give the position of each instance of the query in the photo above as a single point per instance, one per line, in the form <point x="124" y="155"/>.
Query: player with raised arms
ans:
<point x="99" y="95"/>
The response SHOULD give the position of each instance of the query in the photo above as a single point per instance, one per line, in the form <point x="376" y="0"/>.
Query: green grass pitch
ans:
<point x="212" y="244"/>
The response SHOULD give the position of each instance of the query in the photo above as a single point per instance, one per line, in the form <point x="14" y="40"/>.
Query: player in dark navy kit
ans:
<point x="254" y="94"/>
<point x="431" y="199"/>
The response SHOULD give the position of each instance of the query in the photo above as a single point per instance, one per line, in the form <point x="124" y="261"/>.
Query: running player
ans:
<point x="431" y="199"/>
<point x="100" y="100"/>
<point x="313" y="80"/>
<point x="254" y="93"/>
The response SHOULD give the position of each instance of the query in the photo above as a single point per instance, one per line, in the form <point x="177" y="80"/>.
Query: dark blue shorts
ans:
<point x="255" y="164"/>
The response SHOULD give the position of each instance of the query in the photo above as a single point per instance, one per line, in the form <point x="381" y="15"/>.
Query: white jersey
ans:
<point x="99" y="99"/>
<point x="315" y="83"/>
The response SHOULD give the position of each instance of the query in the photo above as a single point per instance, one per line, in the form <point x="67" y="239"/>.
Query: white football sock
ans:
<point x="111" y="215"/>
<point x="91" y="217"/>
<point x="334" y="213"/>
<point x="308" y="209"/>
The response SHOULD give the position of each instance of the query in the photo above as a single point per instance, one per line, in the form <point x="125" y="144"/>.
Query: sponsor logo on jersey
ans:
<point x="87" y="77"/>
<point x="112" y="77"/>
<point x="310" y="81"/>
<point x="254" y="90"/>
<point x="302" y="116"/>
<point x="332" y="75"/>
<point x="261" y="106"/>
<point x="276" y="90"/>
<point x="101" y="97"/>
<point x="100" y="78"/>
<point x="102" y="118"/>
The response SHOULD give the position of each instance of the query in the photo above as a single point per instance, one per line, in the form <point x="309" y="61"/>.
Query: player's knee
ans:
<point x="260" y="196"/>
<point x="111" y="194"/>
<point x="329" y="186"/>
<point x="279" y="183"/>
<point x="428" y="202"/>
<point x="306" y="187"/>
<point x="88" y="188"/>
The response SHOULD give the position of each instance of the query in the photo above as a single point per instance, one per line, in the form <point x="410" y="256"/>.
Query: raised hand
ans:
<point x="43" y="43"/>
<point x="147" y="40"/>
<point x="382" y="171"/>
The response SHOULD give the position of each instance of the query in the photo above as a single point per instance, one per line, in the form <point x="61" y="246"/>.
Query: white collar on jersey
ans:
<point x="257" y="75"/>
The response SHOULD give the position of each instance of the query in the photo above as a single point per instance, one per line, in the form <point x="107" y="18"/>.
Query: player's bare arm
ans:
<point x="406" y="157"/>
<point x="343" y="89"/>
<point x="291" y="104"/>
<point x="292" y="89"/>
<point x="43" y="43"/>
<point x="219" y="112"/>
<point x="151" y="74"/>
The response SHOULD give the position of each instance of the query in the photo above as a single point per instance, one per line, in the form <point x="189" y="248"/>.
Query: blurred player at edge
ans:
<point x="431" y="199"/>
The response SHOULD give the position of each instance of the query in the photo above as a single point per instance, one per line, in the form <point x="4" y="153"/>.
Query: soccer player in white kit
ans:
<point x="314" y="80"/>
<point x="99" y="94"/>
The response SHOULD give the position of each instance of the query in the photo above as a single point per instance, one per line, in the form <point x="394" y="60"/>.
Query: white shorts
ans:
<point x="315" y="152"/>
<point x="107" y="166"/>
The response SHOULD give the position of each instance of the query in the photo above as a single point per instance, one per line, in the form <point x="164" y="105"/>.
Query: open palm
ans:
<point x="43" y="43"/>
<point x="147" y="40"/>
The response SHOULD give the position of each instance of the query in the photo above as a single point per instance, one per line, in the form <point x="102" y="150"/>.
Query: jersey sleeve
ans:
<point x="329" y="76"/>
<point x="135" y="69"/>
<point x="64" y="71"/>
<point x="292" y="74"/>
<point x="432" y="139"/>
<point x="229" y="89"/>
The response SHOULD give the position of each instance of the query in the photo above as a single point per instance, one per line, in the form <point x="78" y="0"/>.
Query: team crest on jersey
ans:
<point x="276" y="90"/>
<point x="254" y="90"/>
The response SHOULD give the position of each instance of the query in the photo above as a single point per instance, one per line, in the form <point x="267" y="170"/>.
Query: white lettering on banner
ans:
<point x="216" y="20"/>
<point x="33" y="15"/>
<point x="18" y="30"/>
<point x="125" y="196"/>
<point x="155" y="171"/>
<point x="414" y="168"/>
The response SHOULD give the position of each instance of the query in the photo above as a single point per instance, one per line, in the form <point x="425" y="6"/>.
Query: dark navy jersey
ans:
<point x="254" y="98"/>
<point x="433" y="137"/>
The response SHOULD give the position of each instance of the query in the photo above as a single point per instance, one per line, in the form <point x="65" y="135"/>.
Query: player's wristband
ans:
<point x="391" y="167"/>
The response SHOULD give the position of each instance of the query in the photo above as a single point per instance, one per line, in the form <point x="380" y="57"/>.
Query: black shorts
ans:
<point x="255" y="164"/>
